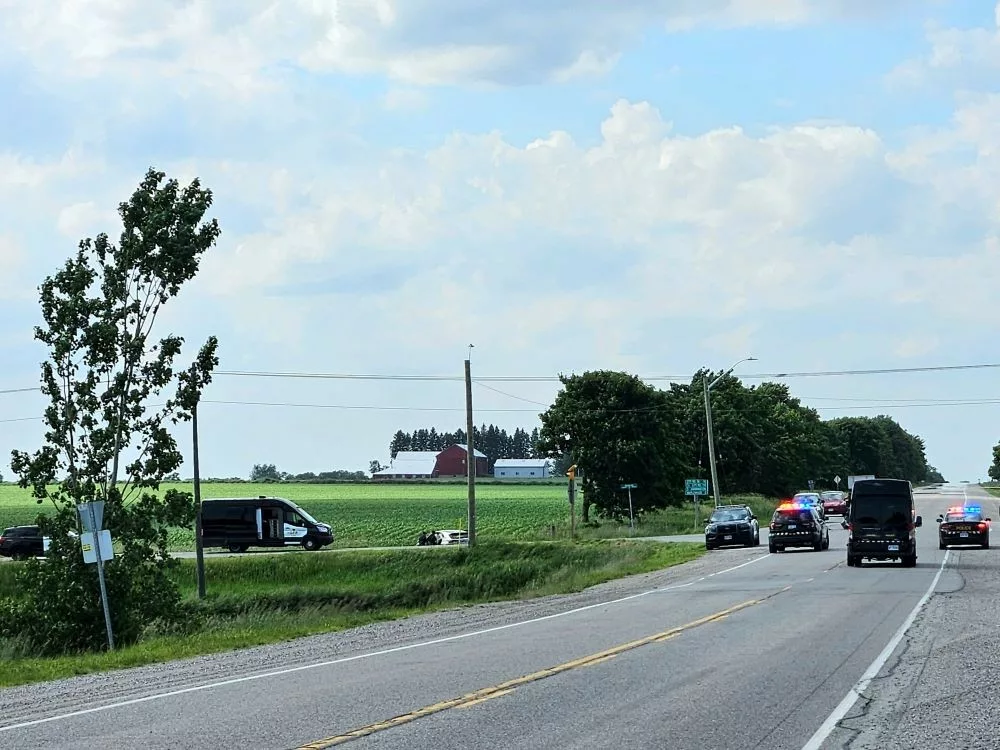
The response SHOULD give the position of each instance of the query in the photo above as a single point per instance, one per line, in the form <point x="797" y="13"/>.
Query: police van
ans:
<point x="240" y="523"/>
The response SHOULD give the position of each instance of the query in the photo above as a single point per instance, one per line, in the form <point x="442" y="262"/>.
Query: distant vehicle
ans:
<point x="811" y="498"/>
<point x="444" y="536"/>
<point x="243" y="522"/>
<point x="882" y="522"/>
<point x="964" y="525"/>
<point x="858" y="478"/>
<point x="732" y="524"/>
<point x="834" y="502"/>
<point x="21" y="542"/>
<point x="798" y="525"/>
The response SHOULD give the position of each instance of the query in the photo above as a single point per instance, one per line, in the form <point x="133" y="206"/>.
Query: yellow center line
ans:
<point x="495" y="691"/>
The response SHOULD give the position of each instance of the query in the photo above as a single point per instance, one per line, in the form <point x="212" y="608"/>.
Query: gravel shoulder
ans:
<point x="942" y="687"/>
<point x="34" y="701"/>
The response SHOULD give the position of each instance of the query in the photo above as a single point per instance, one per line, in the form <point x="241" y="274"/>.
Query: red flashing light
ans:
<point x="982" y="527"/>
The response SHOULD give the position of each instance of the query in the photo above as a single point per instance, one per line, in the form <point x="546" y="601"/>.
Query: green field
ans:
<point x="269" y="598"/>
<point x="375" y="515"/>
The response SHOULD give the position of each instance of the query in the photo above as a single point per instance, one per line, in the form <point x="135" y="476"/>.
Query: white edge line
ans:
<point x="357" y="657"/>
<point x="826" y="728"/>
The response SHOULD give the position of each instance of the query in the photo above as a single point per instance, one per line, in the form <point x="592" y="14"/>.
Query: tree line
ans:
<point x="495" y="442"/>
<point x="619" y="429"/>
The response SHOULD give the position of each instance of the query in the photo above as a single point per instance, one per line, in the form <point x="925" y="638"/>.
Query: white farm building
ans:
<point x="521" y="468"/>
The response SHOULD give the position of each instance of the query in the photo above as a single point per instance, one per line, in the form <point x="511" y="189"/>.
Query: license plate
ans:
<point x="964" y="534"/>
<point x="894" y="548"/>
<point x="793" y="526"/>
<point x="728" y="536"/>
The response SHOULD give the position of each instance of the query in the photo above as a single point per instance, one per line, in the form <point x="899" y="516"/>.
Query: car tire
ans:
<point x="986" y="544"/>
<point x="756" y="540"/>
<point x="910" y="561"/>
<point x="238" y="548"/>
<point x="310" y="544"/>
<point x="772" y="549"/>
<point x="942" y="545"/>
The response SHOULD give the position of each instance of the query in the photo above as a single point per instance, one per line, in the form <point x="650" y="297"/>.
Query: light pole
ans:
<point x="708" y="421"/>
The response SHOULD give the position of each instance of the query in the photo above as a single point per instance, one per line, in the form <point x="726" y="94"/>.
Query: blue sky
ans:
<point x="648" y="185"/>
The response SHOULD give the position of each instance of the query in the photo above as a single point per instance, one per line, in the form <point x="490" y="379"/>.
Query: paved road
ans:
<point x="771" y="642"/>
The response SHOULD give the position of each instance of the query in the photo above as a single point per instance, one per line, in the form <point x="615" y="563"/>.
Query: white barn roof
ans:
<point x="417" y="463"/>
<point x="523" y="463"/>
<point x="465" y="447"/>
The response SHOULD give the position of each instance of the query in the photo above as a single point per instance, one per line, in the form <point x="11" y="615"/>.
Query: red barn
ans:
<point x="451" y="462"/>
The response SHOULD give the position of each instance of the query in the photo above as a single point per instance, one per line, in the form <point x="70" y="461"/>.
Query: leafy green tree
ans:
<point x="265" y="473"/>
<point x="994" y="470"/>
<point x="620" y="430"/>
<point x="104" y="440"/>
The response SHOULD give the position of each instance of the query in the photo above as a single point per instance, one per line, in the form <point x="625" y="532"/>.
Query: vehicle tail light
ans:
<point x="982" y="527"/>
<point x="774" y="525"/>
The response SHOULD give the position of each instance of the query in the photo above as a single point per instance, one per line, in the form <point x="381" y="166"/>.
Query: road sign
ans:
<point x="629" y="486"/>
<point x="812" y="484"/>
<point x="90" y="553"/>
<point x="696" y="487"/>
<point x="836" y="479"/>
<point x="90" y="520"/>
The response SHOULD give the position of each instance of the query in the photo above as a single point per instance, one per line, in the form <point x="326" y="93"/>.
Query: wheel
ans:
<point x="310" y="544"/>
<point x="986" y="544"/>
<point x="818" y="546"/>
<point x="772" y="549"/>
<point x="826" y="543"/>
<point x="910" y="561"/>
<point x="853" y="561"/>
<point x="19" y="556"/>
<point x="233" y="547"/>
<point x="756" y="539"/>
<point x="942" y="545"/>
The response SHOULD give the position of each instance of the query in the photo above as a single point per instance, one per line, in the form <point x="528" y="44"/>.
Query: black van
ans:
<point x="882" y="522"/>
<point x="241" y="523"/>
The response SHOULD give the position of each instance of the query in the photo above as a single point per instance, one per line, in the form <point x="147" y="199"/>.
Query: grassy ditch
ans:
<point x="270" y="598"/>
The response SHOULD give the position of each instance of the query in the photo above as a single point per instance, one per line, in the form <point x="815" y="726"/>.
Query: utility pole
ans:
<point x="199" y="548"/>
<point x="708" y="423"/>
<point x="470" y="428"/>
<point x="711" y="442"/>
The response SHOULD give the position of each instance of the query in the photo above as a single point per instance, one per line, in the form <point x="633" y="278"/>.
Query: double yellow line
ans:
<point x="496" y="691"/>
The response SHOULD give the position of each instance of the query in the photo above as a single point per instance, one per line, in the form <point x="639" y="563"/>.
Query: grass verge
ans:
<point x="258" y="600"/>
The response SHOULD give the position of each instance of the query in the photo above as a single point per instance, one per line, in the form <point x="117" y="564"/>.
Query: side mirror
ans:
<point x="989" y="520"/>
<point x="919" y="521"/>
<point x="940" y="519"/>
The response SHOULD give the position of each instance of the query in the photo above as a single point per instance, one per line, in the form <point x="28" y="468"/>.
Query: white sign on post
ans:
<point x="95" y="521"/>
<point x="89" y="548"/>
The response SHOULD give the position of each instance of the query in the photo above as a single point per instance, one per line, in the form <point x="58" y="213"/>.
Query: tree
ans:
<point x="620" y="430"/>
<point x="265" y="473"/>
<point x="104" y="440"/>
<point x="994" y="470"/>
<point x="374" y="467"/>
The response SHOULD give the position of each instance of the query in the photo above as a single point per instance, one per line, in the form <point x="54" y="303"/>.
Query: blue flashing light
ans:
<point x="973" y="509"/>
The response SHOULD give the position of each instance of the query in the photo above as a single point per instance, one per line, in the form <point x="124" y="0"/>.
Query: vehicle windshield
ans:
<point x="304" y="514"/>
<point x="961" y="516"/>
<point x="832" y="495"/>
<point x="723" y="516"/>
<point x="806" y="497"/>
<point x="883" y="510"/>
<point x="792" y="514"/>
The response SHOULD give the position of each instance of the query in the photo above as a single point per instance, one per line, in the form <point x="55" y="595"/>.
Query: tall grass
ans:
<point x="263" y="599"/>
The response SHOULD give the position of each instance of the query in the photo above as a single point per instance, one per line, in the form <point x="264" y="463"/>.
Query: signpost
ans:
<point x="96" y="547"/>
<point x="696" y="488"/>
<point x="571" y="489"/>
<point x="812" y="484"/>
<point x="631" y="518"/>
<point x="836" y="481"/>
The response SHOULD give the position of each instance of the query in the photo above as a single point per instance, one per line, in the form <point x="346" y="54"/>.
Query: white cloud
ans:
<point x="405" y="99"/>
<point x="235" y="49"/>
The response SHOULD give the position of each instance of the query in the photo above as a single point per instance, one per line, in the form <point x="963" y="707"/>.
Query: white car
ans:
<point x="452" y="536"/>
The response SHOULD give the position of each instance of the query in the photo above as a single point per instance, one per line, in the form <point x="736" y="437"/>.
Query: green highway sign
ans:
<point x="696" y="487"/>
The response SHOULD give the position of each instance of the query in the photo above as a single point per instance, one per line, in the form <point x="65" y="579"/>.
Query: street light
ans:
<point x="708" y="421"/>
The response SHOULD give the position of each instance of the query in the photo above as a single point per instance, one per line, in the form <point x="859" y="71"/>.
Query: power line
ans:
<point x="551" y="378"/>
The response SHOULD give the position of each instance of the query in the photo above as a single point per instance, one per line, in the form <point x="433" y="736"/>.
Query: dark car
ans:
<point x="21" y="542"/>
<point x="834" y="502"/>
<point x="730" y="525"/>
<point x="882" y="522"/>
<point x="964" y="525"/>
<point x="798" y="525"/>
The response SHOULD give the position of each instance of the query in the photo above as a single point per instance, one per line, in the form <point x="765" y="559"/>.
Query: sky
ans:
<point x="654" y="186"/>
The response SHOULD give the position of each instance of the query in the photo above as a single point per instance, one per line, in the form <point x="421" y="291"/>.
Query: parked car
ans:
<point x="21" y="542"/>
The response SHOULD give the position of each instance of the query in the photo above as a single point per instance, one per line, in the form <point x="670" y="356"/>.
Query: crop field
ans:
<point x="375" y="515"/>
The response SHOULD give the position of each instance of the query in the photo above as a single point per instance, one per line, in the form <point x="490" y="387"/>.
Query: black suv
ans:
<point x="797" y="525"/>
<point x="732" y="524"/>
<point x="882" y="522"/>
<point x="21" y="542"/>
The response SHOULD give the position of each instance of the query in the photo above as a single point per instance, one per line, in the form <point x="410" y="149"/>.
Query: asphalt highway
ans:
<point x="742" y="649"/>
